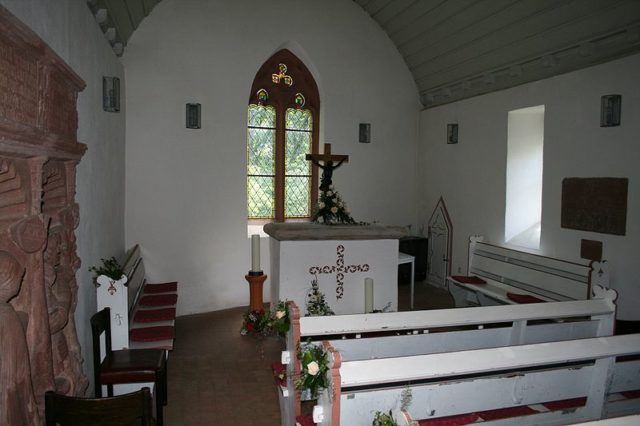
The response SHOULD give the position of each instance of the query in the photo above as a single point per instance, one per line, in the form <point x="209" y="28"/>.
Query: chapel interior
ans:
<point x="424" y="97"/>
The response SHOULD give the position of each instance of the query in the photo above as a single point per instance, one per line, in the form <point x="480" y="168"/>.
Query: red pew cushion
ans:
<point x="524" y="298"/>
<point x="171" y="287"/>
<point x="155" y="315"/>
<point x="468" y="280"/>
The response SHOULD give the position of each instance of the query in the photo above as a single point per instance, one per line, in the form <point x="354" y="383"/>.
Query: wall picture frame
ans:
<point x="193" y="116"/>
<point x="364" y="133"/>
<point x="452" y="133"/>
<point x="610" y="108"/>
<point x="111" y="94"/>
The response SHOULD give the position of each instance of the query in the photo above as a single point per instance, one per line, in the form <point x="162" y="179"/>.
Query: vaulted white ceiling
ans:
<point x="457" y="49"/>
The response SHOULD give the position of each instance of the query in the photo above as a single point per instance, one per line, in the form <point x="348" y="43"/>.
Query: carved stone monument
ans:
<point x="39" y="152"/>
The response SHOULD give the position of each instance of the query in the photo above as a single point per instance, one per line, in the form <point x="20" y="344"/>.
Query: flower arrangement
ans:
<point x="383" y="419"/>
<point x="266" y="323"/>
<point x="331" y="208"/>
<point x="315" y="364"/>
<point x="280" y="322"/>
<point x="386" y="419"/>
<point x="255" y="322"/>
<point x="110" y="267"/>
<point x="316" y="304"/>
<point x="279" y="374"/>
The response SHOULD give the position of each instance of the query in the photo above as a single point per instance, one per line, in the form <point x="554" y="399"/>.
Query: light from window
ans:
<point x="297" y="179"/>
<point x="261" y="139"/>
<point x="282" y="128"/>
<point x="525" y="143"/>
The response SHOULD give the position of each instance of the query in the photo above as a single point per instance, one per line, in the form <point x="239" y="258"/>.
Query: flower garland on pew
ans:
<point x="267" y="323"/>
<point x="386" y="419"/>
<point x="315" y="365"/>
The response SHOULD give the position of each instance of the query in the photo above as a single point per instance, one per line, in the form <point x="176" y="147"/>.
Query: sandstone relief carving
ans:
<point x="39" y="153"/>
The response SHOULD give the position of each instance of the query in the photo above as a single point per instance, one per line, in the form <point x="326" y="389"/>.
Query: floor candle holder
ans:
<point x="256" y="280"/>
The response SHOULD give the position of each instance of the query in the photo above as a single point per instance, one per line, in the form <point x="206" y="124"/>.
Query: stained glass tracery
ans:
<point x="282" y="75"/>
<point x="263" y="96"/>
<point x="280" y="134"/>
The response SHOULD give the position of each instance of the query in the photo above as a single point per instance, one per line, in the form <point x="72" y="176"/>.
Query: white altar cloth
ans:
<point x="340" y="257"/>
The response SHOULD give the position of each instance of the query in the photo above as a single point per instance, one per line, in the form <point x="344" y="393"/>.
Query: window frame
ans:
<point x="282" y="97"/>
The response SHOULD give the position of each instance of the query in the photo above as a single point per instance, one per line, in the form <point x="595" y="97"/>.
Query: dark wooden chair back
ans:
<point x="100" y="323"/>
<point x="131" y="409"/>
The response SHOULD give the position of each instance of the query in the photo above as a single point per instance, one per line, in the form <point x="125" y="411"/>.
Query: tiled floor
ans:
<point x="218" y="377"/>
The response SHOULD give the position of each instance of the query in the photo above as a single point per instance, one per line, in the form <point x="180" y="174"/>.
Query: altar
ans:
<point x="339" y="257"/>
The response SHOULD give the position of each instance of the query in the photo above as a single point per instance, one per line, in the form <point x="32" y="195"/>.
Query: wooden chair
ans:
<point x="131" y="409"/>
<point x="127" y="365"/>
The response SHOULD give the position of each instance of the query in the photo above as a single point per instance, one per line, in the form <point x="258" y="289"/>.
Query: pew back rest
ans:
<point x="555" y="279"/>
<point x="359" y="335"/>
<point x="601" y="309"/>
<point x="451" y="383"/>
<point x="510" y="276"/>
<point x="136" y="321"/>
<point x="133" y="268"/>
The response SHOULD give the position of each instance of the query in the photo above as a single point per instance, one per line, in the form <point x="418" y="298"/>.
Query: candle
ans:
<point x="368" y="295"/>
<point x="255" y="253"/>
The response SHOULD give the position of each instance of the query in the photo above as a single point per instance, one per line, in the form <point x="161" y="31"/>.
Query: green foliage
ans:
<point x="315" y="364"/>
<point x="280" y="321"/>
<point x="110" y="267"/>
<point x="316" y="304"/>
<point x="405" y="398"/>
<point x="266" y="323"/>
<point x="255" y="322"/>
<point x="331" y="208"/>
<point x="383" y="419"/>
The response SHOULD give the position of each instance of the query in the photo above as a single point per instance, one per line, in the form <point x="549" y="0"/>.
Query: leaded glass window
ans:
<point x="261" y="141"/>
<point x="282" y="128"/>
<point x="297" y="174"/>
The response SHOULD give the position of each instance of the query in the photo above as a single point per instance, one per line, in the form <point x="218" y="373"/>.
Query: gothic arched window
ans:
<point x="283" y="116"/>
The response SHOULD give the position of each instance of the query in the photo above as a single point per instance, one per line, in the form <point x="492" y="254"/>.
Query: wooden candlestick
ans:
<point x="255" y="291"/>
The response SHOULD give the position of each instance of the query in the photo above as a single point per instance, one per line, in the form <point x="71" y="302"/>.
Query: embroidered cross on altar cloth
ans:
<point x="339" y="269"/>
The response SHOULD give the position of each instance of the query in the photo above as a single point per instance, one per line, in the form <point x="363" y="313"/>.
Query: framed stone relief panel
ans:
<point x="595" y="204"/>
<point x="39" y="152"/>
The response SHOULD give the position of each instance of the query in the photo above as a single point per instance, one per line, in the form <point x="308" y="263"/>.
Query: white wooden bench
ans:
<point x="502" y="275"/>
<point x="142" y="314"/>
<point x="368" y="336"/>
<point x="542" y="383"/>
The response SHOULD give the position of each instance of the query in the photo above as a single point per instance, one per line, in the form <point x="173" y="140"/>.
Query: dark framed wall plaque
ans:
<point x="595" y="204"/>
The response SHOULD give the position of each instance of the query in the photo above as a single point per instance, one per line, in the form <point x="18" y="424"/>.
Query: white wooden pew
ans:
<point x="510" y="275"/>
<point x="472" y="382"/>
<point x="134" y="324"/>
<point x="368" y="336"/>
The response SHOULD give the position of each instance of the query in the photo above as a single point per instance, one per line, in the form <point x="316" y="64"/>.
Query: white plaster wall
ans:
<point x="69" y="28"/>
<point x="186" y="189"/>
<point x="471" y="175"/>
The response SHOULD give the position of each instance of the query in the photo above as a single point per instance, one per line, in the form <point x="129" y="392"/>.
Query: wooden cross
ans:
<point x="339" y="269"/>
<point x="328" y="167"/>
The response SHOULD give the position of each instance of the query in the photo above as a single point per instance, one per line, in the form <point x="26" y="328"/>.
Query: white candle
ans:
<point x="368" y="295"/>
<point x="255" y="253"/>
